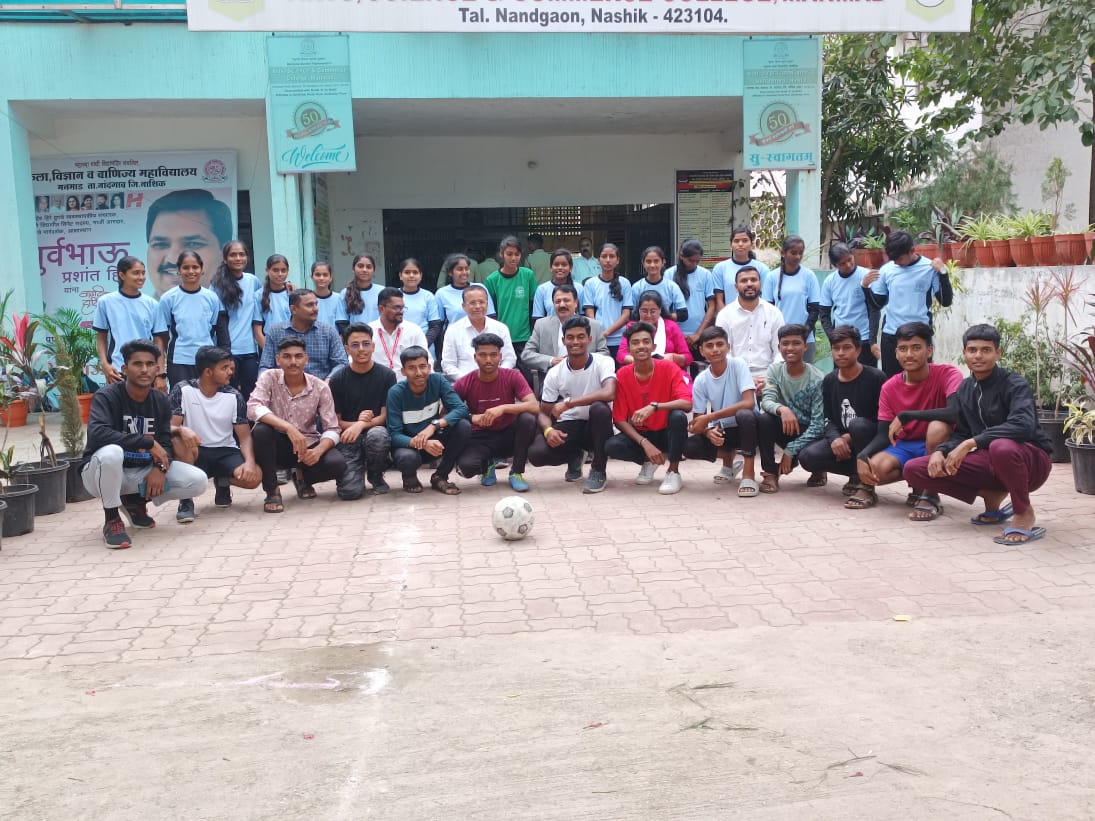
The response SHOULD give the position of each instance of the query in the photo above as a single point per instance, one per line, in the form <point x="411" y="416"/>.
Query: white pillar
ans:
<point x="18" y="236"/>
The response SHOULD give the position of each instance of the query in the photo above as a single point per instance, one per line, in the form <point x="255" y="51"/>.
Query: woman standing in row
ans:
<point x="357" y="302"/>
<point x="742" y="253"/>
<point x="794" y="289"/>
<point x="194" y="317"/>
<point x="608" y="298"/>
<point x="240" y="293"/>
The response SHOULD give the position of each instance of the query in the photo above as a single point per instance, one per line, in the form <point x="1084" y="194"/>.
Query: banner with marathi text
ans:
<point x="91" y="211"/>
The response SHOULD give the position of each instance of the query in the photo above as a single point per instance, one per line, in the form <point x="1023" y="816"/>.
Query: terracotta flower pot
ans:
<point x="15" y="414"/>
<point x="929" y="250"/>
<point x="1045" y="250"/>
<point x="983" y="254"/>
<point x="85" y="406"/>
<point x="1001" y="253"/>
<point x="1071" y="249"/>
<point x="1089" y="241"/>
<point x="962" y="253"/>
<point x="1021" y="251"/>
<point x="868" y="257"/>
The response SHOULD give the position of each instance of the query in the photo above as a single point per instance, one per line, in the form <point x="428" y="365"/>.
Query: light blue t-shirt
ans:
<point x="450" y="301"/>
<point x="724" y="272"/>
<point x="910" y="289"/>
<point x="420" y="308"/>
<point x="279" y="308"/>
<point x="672" y="296"/>
<point x="125" y="318"/>
<point x="245" y="314"/>
<point x="847" y="298"/>
<point x="714" y="393"/>
<point x="596" y="295"/>
<point x="701" y="287"/>
<point x="793" y="294"/>
<point x="328" y="307"/>
<point x="369" y="312"/>
<point x="542" y="304"/>
<point x="191" y="317"/>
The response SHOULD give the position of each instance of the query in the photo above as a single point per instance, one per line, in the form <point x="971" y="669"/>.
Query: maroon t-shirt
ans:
<point x="479" y="396"/>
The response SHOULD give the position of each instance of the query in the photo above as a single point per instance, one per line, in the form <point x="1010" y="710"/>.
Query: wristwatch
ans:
<point x="654" y="405"/>
<point x="161" y="467"/>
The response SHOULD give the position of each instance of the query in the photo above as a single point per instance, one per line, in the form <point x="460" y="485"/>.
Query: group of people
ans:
<point x="562" y="376"/>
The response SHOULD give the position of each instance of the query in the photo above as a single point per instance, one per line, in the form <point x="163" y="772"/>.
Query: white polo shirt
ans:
<point x="562" y="382"/>
<point x="753" y="334"/>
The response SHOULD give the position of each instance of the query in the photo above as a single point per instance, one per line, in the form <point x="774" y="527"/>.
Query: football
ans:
<point x="512" y="518"/>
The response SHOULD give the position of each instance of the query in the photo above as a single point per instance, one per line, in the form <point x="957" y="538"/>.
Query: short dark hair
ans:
<point x="387" y="295"/>
<point x="474" y="286"/>
<point x="912" y="330"/>
<point x="488" y="340"/>
<point x="899" y="243"/>
<point x="537" y="238"/>
<point x="566" y="289"/>
<point x="837" y="252"/>
<point x="752" y="268"/>
<point x="639" y="328"/>
<point x="691" y="248"/>
<point x="412" y="353"/>
<point x="134" y="346"/>
<point x="297" y="294"/>
<point x="356" y="328"/>
<point x="209" y="356"/>
<point x="714" y="332"/>
<point x="984" y="333"/>
<point x="578" y="321"/>
<point x="846" y="333"/>
<point x="292" y="342"/>
<point x="193" y="199"/>
<point x="793" y="329"/>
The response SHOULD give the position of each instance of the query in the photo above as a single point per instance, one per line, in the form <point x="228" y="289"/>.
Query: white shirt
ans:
<point x="387" y="347"/>
<point x="753" y="334"/>
<point x="458" y="355"/>
<point x="562" y="383"/>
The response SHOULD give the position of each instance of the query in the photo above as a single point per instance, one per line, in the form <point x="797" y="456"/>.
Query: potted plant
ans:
<point x="73" y="349"/>
<point x="49" y="474"/>
<point x="1023" y="229"/>
<point x="946" y="228"/>
<point x="18" y="499"/>
<point x="1072" y="247"/>
<point x="23" y="362"/>
<point x="1080" y="428"/>
<point x="977" y="231"/>
<point x="869" y="250"/>
<point x="13" y="408"/>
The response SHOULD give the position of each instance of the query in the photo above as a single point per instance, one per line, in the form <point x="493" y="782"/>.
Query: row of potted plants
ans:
<point x="42" y="356"/>
<point x="999" y="241"/>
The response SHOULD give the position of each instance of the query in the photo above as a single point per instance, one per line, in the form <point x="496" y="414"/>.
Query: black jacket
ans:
<point x="998" y="407"/>
<point x="116" y="419"/>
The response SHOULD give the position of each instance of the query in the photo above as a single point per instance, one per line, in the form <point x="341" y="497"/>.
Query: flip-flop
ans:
<point x="748" y="488"/>
<point x="819" y="479"/>
<point x="304" y="489"/>
<point x="857" y="503"/>
<point x="1031" y="535"/>
<point x="850" y="487"/>
<point x="273" y="504"/>
<point x="992" y="517"/>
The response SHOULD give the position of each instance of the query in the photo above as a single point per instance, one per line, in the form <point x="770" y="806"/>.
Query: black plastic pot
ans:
<point x="74" y="483"/>
<point x="19" y="516"/>
<point x="3" y="507"/>
<point x="52" y="487"/>
<point x="1053" y="424"/>
<point x="1083" y="467"/>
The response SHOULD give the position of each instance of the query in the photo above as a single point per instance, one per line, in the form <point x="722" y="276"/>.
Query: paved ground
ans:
<point x="392" y="658"/>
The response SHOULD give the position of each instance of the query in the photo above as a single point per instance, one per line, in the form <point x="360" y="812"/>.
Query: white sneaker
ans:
<point x="646" y="473"/>
<point x="670" y="484"/>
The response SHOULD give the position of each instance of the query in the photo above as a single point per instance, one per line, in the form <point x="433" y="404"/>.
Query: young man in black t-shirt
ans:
<point x="850" y="395"/>
<point x="360" y="391"/>
<point x="129" y="458"/>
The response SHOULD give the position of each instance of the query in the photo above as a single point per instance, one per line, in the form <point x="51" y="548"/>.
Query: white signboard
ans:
<point x="614" y="16"/>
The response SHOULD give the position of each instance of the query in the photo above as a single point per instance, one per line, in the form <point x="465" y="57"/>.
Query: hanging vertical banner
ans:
<point x="91" y="211"/>
<point x="312" y="114"/>
<point x="781" y="104"/>
<point x="705" y="209"/>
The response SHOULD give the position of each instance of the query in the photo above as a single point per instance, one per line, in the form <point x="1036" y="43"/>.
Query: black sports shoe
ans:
<point x="380" y="487"/>
<point x="136" y="508"/>
<point x="223" y="498"/>
<point x="185" y="514"/>
<point x="115" y="536"/>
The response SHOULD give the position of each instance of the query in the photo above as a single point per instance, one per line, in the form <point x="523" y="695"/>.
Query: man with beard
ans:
<point x="752" y="324"/>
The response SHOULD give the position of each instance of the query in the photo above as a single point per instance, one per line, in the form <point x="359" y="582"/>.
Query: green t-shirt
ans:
<point x="512" y="297"/>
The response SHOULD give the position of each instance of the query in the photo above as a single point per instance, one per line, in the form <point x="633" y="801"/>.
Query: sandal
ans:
<point x="304" y="489"/>
<point x="442" y="485"/>
<point x="922" y="513"/>
<point x="769" y="483"/>
<point x="1028" y="535"/>
<point x="273" y="503"/>
<point x="992" y="517"/>
<point x="863" y="498"/>
<point x="412" y="485"/>
<point x="819" y="479"/>
<point x="748" y="488"/>
<point x="850" y="487"/>
<point x="912" y="498"/>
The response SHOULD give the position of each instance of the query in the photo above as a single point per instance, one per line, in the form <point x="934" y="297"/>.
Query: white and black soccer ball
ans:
<point x="512" y="518"/>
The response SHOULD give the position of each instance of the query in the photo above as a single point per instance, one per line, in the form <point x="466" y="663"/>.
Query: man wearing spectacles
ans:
<point x="360" y="391"/>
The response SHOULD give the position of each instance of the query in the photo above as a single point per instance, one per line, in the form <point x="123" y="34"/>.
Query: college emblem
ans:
<point x="310" y="120"/>
<point x="215" y="171"/>
<point x="778" y="123"/>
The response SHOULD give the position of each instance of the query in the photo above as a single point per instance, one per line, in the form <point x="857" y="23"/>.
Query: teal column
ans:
<point x="804" y="211"/>
<point x="285" y="213"/>
<point x="18" y="236"/>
